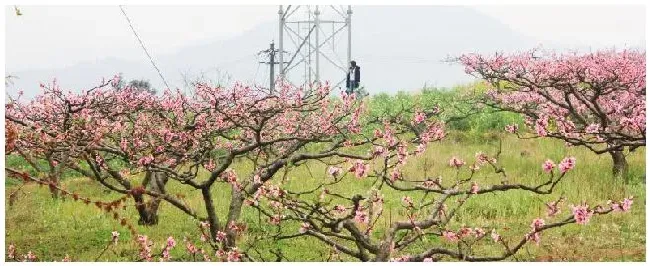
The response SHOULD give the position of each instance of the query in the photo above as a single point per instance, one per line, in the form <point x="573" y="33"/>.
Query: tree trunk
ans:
<point x="148" y="211"/>
<point x="620" y="164"/>
<point x="55" y="174"/>
<point x="236" y="203"/>
<point x="212" y="216"/>
<point x="54" y="179"/>
<point x="383" y="254"/>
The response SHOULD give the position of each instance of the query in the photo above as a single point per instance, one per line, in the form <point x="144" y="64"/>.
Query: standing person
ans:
<point x="353" y="77"/>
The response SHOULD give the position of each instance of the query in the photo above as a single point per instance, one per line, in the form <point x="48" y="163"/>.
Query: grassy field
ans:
<point x="52" y="229"/>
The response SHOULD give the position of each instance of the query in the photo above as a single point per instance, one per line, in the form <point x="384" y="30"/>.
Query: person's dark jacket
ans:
<point x="357" y="78"/>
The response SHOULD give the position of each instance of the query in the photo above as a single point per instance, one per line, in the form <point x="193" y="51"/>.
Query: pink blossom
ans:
<point x="552" y="208"/>
<point x="479" y="232"/>
<point x="171" y="242"/>
<point x="567" y="164"/>
<point x="210" y="166"/>
<point x="303" y="228"/>
<point x="145" y="247"/>
<point x="626" y="204"/>
<point x="474" y="189"/>
<point x="234" y="255"/>
<point x="419" y="117"/>
<point x="464" y="232"/>
<point x="429" y="184"/>
<point x="99" y="160"/>
<point x="395" y="175"/>
<point x="360" y="169"/>
<point x="548" y="166"/>
<point x="191" y="248"/>
<point x="420" y="148"/>
<point x="334" y="171"/>
<point x="450" y="236"/>
<point x="481" y="158"/>
<point x="402" y="154"/>
<point x="534" y="235"/>
<point x="379" y="151"/>
<point x="220" y="254"/>
<point x="537" y="223"/>
<point x="592" y="128"/>
<point x="512" y="128"/>
<point x="582" y="214"/>
<point x="622" y="206"/>
<point x="30" y="256"/>
<point x="221" y="236"/>
<point x="340" y="209"/>
<point x="428" y="259"/>
<point x="361" y="217"/>
<point x="160" y="149"/>
<point x="146" y="160"/>
<point x="455" y="162"/>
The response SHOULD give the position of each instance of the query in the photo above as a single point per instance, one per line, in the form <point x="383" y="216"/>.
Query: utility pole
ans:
<point x="317" y="48"/>
<point x="271" y="54"/>
<point x="348" y="22"/>
<point x="281" y="21"/>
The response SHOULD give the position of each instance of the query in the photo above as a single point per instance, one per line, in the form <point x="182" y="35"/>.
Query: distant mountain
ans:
<point x="397" y="47"/>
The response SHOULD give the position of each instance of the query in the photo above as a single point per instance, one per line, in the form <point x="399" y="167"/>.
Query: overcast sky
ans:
<point x="54" y="37"/>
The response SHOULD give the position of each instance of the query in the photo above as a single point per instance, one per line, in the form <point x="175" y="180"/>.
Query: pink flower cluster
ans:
<point x="359" y="168"/>
<point x="567" y="164"/>
<point x="581" y="213"/>
<point x="623" y="205"/>
<point x="144" y="244"/>
<point x="419" y="117"/>
<point x="512" y="128"/>
<point x="171" y="243"/>
<point x="456" y="162"/>
<point x="534" y="235"/>
<point x="463" y="232"/>
<point x="548" y="166"/>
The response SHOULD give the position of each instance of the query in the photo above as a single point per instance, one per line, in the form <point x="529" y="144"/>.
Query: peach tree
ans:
<point x="595" y="100"/>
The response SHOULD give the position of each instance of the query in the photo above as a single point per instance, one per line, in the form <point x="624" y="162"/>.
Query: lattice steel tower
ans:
<point x="311" y="30"/>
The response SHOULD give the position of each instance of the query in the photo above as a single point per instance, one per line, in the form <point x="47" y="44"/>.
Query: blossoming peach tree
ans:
<point x="110" y="135"/>
<point x="595" y="100"/>
<point x="347" y="222"/>
<point x="197" y="140"/>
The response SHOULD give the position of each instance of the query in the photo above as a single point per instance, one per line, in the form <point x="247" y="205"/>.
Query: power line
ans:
<point x="143" y="47"/>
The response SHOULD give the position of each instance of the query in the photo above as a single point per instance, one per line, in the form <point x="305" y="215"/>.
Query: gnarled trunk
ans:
<point x="148" y="211"/>
<point x="234" y="210"/>
<point x="620" y="164"/>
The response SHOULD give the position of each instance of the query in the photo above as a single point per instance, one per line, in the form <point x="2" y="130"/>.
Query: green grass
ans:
<point x="53" y="228"/>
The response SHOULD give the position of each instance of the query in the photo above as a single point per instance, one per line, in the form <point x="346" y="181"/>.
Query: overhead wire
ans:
<point x="143" y="47"/>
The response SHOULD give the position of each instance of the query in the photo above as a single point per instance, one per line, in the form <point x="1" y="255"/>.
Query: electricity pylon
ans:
<point x="305" y="28"/>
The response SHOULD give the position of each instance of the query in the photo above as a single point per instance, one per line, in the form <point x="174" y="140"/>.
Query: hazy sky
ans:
<point x="53" y="37"/>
